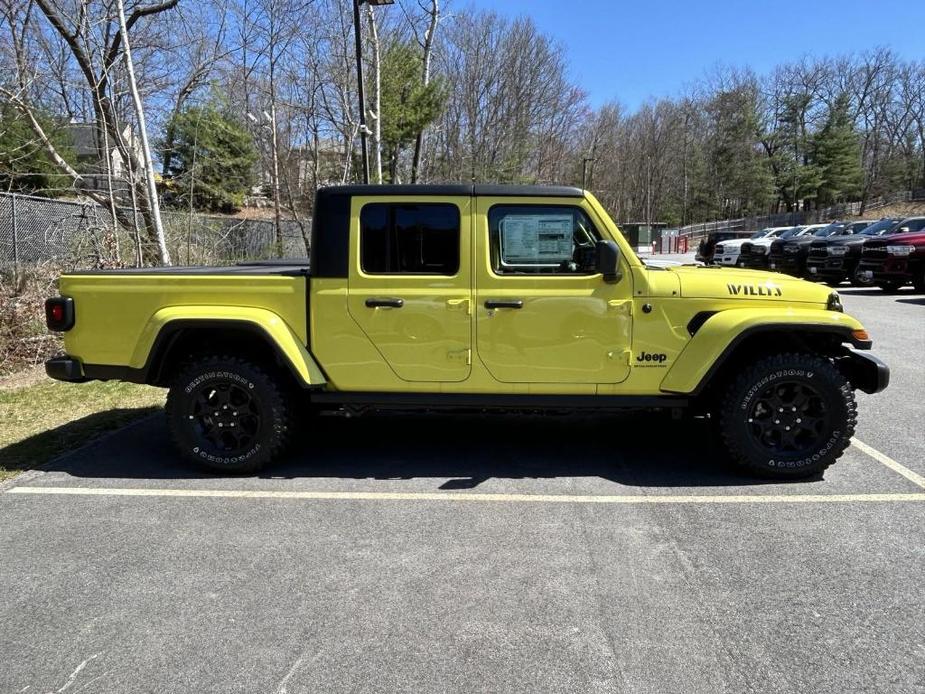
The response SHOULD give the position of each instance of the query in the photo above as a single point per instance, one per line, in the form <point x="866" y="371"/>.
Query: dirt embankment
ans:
<point x="896" y="209"/>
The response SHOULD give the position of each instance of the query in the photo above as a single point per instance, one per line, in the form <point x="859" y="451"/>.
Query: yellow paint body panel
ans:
<point x="120" y="316"/>
<point x="575" y="334"/>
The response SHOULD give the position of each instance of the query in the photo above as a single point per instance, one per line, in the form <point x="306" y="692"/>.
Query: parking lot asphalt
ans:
<point x="479" y="553"/>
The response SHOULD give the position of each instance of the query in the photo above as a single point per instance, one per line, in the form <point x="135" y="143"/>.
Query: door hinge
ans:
<point x="459" y="304"/>
<point x="464" y="356"/>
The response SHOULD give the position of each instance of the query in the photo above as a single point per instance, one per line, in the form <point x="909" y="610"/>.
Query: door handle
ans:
<point x="386" y="302"/>
<point x="504" y="303"/>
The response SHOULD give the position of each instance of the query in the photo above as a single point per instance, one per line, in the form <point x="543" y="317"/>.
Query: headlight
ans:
<point x="900" y="250"/>
<point x="837" y="250"/>
<point x="791" y="249"/>
<point x="834" y="303"/>
<point x="760" y="250"/>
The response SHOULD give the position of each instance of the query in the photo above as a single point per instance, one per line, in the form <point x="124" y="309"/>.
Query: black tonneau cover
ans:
<point x="285" y="266"/>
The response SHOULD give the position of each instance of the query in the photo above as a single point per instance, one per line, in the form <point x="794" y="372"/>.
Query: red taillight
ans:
<point x="59" y="313"/>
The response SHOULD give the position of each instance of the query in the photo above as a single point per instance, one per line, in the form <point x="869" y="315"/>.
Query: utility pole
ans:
<point x="359" y="47"/>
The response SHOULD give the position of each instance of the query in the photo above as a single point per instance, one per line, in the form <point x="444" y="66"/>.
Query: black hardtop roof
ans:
<point x="467" y="189"/>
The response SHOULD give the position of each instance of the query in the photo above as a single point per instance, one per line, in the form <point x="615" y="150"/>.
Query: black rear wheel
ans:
<point x="788" y="416"/>
<point x="228" y="414"/>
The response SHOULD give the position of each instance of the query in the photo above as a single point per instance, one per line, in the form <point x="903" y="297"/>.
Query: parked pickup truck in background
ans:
<point x="789" y="255"/>
<point x="471" y="297"/>
<point x="897" y="259"/>
<point x="728" y="252"/>
<point x="755" y="254"/>
<point x="835" y="259"/>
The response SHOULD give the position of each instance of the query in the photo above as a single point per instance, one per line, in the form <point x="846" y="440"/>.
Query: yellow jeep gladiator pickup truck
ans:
<point x="476" y="297"/>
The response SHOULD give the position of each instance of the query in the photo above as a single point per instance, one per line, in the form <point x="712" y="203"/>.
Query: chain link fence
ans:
<point x="83" y="234"/>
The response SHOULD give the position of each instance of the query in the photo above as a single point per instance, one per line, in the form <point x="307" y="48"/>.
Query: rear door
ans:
<point x="409" y="288"/>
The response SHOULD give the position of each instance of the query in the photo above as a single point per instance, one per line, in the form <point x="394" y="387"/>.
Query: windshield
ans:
<point x="880" y="227"/>
<point x="913" y="224"/>
<point x="786" y="234"/>
<point x="759" y="234"/>
<point x="828" y="230"/>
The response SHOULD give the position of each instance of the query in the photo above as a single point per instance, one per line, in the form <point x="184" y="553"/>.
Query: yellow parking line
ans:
<point x="890" y="463"/>
<point x="475" y="496"/>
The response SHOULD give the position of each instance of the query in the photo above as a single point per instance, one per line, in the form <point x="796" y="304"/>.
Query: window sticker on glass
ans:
<point x="536" y="239"/>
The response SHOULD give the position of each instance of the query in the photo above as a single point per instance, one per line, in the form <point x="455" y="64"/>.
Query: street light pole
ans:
<point x="359" y="47"/>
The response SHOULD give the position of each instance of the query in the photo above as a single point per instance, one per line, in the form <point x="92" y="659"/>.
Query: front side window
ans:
<point x="550" y="239"/>
<point x="409" y="239"/>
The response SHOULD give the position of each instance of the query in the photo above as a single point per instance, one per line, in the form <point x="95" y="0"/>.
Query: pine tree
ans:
<point x="836" y="153"/>
<point x="408" y="105"/>
<point x="212" y="158"/>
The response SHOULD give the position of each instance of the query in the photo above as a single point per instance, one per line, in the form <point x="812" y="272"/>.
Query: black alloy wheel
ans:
<point x="787" y="415"/>
<point x="229" y="414"/>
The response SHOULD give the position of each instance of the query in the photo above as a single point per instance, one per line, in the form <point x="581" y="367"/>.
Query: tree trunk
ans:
<point x="377" y="94"/>
<point x="425" y="78"/>
<point x="153" y="203"/>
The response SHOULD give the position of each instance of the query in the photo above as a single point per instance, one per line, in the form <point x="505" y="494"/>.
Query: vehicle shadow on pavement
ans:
<point x="34" y="450"/>
<point x="458" y="451"/>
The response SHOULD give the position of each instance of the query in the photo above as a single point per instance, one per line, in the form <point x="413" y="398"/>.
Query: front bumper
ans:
<point x="888" y="269"/>
<point x="826" y="268"/>
<point x="754" y="262"/>
<point x="787" y="263"/>
<point x="727" y="259"/>
<point x="865" y="371"/>
<point x="65" y="368"/>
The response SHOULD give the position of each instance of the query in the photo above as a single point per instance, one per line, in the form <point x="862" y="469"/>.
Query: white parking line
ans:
<point x="475" y="496"/>
<point x="890" y="463"/>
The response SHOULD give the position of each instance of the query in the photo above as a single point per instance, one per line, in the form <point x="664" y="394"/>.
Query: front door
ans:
<point x="543" y="313"/>
<point x="409" y="288"/>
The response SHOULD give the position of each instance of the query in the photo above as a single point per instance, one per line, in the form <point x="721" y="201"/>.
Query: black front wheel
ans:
<point x="228" y="414"/>
<point x="788" y="416"/>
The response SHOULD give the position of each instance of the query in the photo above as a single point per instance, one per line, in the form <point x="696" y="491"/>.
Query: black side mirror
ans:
<point x="608" y="260"/>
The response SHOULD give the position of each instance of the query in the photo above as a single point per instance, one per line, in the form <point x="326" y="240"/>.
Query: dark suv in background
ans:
<point x="835" y="259"/>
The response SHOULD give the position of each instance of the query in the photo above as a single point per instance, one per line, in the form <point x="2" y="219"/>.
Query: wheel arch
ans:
<point x="730" y="338"/>
<point x="264" y="338"/>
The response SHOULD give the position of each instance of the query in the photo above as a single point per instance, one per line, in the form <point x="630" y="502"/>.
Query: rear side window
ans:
<point x="409" y="239"/>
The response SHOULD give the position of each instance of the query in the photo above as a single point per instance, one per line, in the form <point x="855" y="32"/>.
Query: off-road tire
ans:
<point x="249" y="403"/>
<point x="776" y="384"/>
<point x="857" y="280"/>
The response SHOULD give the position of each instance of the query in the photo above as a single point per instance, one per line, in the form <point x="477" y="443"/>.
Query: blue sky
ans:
<point x="631" y="51"/>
